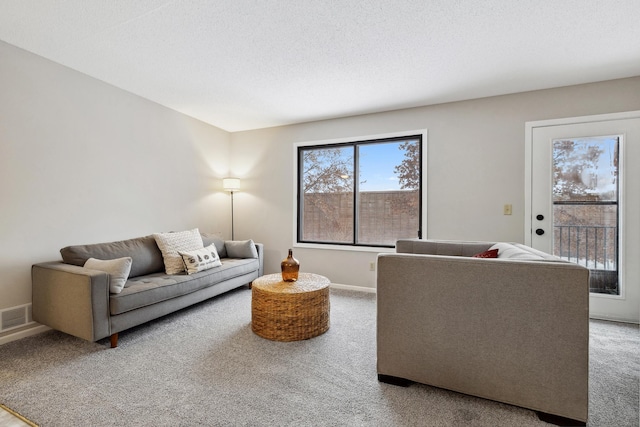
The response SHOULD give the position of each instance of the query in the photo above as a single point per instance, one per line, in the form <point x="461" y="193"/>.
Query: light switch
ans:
<point x="507" y="209"/>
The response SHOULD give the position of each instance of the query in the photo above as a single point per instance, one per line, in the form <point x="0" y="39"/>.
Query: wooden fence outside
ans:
<point x="384" y="217"/>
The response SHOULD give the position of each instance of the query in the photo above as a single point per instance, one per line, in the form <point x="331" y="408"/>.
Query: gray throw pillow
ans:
<point x="241" y="249"/>
<point x="209" y="238"/>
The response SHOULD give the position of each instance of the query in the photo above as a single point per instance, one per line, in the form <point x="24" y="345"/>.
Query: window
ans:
<point x="363" y="193"/>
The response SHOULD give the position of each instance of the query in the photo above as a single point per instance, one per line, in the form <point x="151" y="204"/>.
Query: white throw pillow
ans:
<point x="171" y="243"/>
<point x="118" y="270"/>
<point x="201" y="259"/>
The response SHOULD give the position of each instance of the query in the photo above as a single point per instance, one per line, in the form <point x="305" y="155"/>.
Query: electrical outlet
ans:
<point x="372" y="266"/>
<point x="507" y="209"/>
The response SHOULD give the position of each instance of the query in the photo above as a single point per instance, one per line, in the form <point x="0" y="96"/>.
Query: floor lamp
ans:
<point x="231" y="185"/>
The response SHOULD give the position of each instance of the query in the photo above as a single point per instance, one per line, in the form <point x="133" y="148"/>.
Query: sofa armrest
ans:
<point x="71" y="299"/>
<point x="260" y="248"/>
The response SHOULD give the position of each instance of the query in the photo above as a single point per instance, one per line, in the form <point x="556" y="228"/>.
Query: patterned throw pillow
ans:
<point x="171" y="243"/>
<point x="201" y="259"/>
<point x="492" y="253"/>
<point x="118" y="270"/>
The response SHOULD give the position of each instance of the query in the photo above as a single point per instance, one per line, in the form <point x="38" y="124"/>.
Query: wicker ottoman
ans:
<point x="290" y="311"/>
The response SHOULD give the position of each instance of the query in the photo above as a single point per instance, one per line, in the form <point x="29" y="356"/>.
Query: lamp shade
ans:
<point x="231" y="184"/>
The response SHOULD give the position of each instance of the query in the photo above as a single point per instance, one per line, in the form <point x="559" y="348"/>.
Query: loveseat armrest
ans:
<point x="71" y="299"/>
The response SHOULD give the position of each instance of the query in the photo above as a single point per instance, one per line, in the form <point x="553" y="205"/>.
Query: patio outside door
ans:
<point x="583" y="203"/>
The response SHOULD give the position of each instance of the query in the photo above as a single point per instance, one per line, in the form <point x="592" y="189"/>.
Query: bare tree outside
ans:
<point x="328" y="170"/>
<point x="408" y="173"/>
<point x="409" y="170"/>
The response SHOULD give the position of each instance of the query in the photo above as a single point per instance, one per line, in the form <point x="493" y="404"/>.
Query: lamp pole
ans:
<point x="232" y="215"/>
<point x="231" y="185"/>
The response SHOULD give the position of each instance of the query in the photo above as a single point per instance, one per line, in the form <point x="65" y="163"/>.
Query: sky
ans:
<point x="376" y="167"/>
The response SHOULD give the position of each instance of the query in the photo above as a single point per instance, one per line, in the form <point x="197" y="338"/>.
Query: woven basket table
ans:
<point x="290" y="311"/>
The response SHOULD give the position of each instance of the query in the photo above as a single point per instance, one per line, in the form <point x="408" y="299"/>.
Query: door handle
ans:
<point x="539" y="231"/>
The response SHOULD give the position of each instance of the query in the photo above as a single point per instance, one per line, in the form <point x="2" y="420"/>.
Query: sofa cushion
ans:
<point x="148" y="290"/>
<point x="145" y="255"/>
<point x="241" y="249"/>
<point x="200" y="259"/>
<point x="171" y="243"/>
<point x="118" y="270"/>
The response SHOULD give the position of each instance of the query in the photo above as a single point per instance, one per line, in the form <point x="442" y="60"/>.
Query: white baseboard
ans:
<point x="23" y="333"/>
<point x="353" y="288"/>
<point x="613" y="319"/>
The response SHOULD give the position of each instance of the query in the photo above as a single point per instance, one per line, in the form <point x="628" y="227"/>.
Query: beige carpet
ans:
<point x="204" y="366"/>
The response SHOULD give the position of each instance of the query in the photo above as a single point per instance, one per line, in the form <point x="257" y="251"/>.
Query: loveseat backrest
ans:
<point x="441" y="247"/>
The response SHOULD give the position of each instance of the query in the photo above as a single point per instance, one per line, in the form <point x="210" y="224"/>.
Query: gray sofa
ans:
<point x="77" y="300"/>
<point x="514" y="329"/>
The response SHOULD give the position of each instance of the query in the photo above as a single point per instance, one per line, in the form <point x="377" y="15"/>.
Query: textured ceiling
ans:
<point x="246" y="64"/>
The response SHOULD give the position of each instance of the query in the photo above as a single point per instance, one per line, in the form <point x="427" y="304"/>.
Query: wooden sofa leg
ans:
<point x="558" y="420"/>
<point x="114" y="340"/>
<point x="390" y="379"/>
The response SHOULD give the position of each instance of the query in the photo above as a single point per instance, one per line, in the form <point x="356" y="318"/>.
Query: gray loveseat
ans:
<point x="77" y="300"/>
<point x="514" y="329"/>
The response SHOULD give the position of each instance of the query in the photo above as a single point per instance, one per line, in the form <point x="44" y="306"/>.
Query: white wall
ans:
<point x="84" y="162"/>
<point x="475" y="166"/>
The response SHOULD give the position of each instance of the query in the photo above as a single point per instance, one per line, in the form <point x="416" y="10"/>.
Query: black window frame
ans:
<point x="356" y="191"/>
